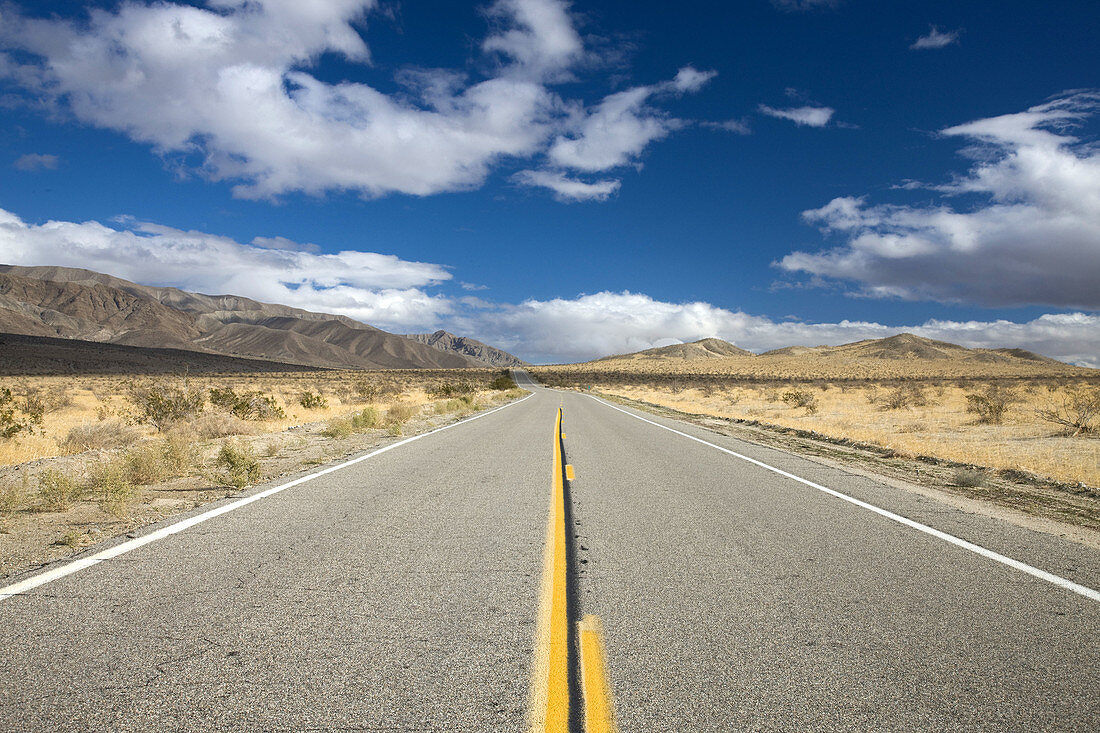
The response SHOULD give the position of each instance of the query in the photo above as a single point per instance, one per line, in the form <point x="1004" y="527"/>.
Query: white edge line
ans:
<point x="121" y="549"/>
<point x="978" y="549"/>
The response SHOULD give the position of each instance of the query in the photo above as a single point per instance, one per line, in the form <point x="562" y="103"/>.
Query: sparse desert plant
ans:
<point x="903" y="396"/>
<point x="108" y="482"/>
<point x="970" y="478"/>
<point x="399" y="413"/>
<point x="451" y="389"/>
<point x="1078" y="410"/>
<point x="239" y="463"/>
<point x="312" y="400"/>
<point x="56" y="491"/>
<point x="219" y="425"/>
<point x="367" y="390"/>
<point x="99" y="436"/>
<point x="160" y="405"/>
<point x="12" y="422"/>
<point x="253" y="405"/>
<point x="365" y="419"/>
<point x="503" y="383"/>
<point x="800" y="398"/>
<point x="991" y="404"/>
<point x="14" y="496"/>
<point x="338" y="427"/>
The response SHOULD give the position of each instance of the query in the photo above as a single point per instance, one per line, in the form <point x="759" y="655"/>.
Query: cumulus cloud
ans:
<point x="397" y="295"/>
<point x="935" y="38"/>
<point x="35" y="161"/>
<point x="622" y="125"/>
<point x="379" y="289"/>
<point x="801" y="6"/>
<point x="566" y="188"/>
<point x="808" y="116"/>
<point x="228" y="87"/>
<point x="1033" y="237"/>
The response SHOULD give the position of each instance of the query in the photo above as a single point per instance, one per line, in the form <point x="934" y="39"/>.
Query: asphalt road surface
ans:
<point x="403" y="593"/>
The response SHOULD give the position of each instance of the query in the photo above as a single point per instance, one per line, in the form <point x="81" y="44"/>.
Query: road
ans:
<point x="407" y="592"/>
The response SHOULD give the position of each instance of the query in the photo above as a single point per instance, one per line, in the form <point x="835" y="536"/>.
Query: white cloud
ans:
<point x="379" y="289"/>
<point x="395" y="294"/>
<point x="229" y="87"/>
<point x="741" y="127"/>
<point x="800" y="6"/>
<point x="935" y="38"/>
<point x="35" y="161"/>
<point x="808" y="116"/>
<point x="1032" y="238"/>
<point x="622" y="125"/>
<point x="566" y="188"/>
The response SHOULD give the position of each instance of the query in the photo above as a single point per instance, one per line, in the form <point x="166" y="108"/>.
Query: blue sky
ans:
<point x="571" y="180"/>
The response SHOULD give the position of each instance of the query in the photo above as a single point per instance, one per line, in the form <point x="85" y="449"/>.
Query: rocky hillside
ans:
<point x="467" y="347"/>
<point x="80" y="304"/>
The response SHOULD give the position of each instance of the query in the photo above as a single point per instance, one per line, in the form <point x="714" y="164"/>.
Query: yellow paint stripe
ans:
<point x="569" y="472"/>
<point x="599" y="717"/>
<point x="549" y="708"/>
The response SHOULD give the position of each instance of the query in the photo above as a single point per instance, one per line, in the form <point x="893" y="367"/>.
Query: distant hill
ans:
<point x="708" y="348"/>
<point x="902" y="356"/>
<point x="73" y="303"/>
<point x="450" y="343"/>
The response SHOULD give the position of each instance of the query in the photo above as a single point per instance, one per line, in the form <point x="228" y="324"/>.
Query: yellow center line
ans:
<point x="548" y="710"/>
<point x="598" y="714"/>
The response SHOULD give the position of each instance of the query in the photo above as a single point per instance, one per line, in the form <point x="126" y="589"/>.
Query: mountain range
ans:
<point x="72" y="303"/>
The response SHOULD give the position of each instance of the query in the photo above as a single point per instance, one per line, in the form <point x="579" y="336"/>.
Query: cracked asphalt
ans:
<point x="402" y="593"/>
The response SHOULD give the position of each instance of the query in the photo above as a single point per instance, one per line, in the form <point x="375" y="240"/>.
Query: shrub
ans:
<point x="162" y="404"/>
<point x="12" y="422"/>
<point x="801" y="398"/>
<point x="970" y="478"/>
<point x="1079" y="411"/>
<point x="990" y="404"/>
<point x="108" y="482"/>
<point x="249" y="405"/>
<point x="399" y="412"/>
<point x="312" y="401"/>
<point x="56" y="490"/>
<point x="451" y="389"/>
<point x="368" y="391"/>
<point x="99" y="436"/>
<point x="906" y="395"/>
<point x="240" y="464"/>
<point x="13" y="497"/>
<point x="338" y="428"/>
<point x="365" y="419"/>
<point x="219" y="425"/>
<point x="503" y="383"/>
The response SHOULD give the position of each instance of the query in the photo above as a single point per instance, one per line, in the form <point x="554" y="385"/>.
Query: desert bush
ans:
<point x="903" y="396"/>
<point x="253" y="405"/>
<point x="14" y="497"/>
<point x="99" y="436"/>
<point x="160" y="405"/>
<point x="339" y="427"/>
<point x="56" y="491"/>
<point x="969" y="478"/>
<point x="108" y="482"/>
<point x="239" y="463"/>
<point x="367" y="390"/>
<point x="312" y="400"/>
<point x="365" y="419"/>
<point x="797" y="398"/>
<point x="451" y="389"/>
<point x="991" y="404"/>
<point x="12" y="421"/>
<point x="1078" y="410"/>
<point x="219" y="425"/>
<point x="503" y="383"/>
<point x="398" y="413"/>
<point x="175" y="455"/>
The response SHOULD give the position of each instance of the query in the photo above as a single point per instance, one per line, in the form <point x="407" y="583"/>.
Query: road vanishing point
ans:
<point x="562" y="564"/>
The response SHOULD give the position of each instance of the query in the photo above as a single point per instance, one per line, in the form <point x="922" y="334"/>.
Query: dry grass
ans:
<point x="935" y="419"/>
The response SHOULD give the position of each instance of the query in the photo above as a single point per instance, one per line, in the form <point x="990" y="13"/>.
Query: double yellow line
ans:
<point x="549" y="709"/>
